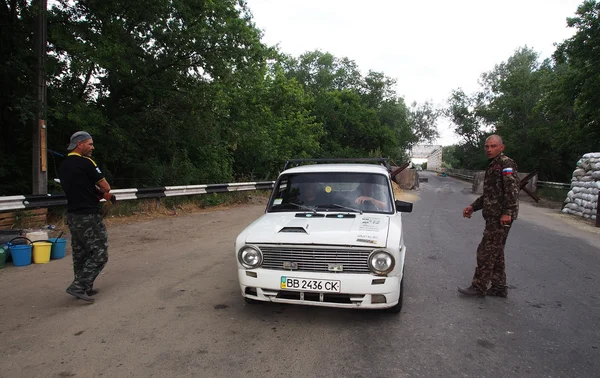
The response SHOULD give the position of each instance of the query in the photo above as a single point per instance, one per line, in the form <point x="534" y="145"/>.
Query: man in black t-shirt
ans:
<point x="85" y="185"/>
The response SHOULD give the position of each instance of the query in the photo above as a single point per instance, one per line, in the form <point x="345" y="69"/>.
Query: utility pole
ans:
<point x="39" y="148"/>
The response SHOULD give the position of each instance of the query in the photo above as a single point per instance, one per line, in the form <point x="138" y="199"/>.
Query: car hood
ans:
<point x="337" y="229"/>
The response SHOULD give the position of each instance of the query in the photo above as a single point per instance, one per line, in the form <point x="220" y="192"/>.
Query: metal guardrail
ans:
<point x="42" y="201"/>
<point x="543" y="184"/>
<point x="549" y="184"/>
<point x="460" y="176"/>
<point x="463" y="174"/>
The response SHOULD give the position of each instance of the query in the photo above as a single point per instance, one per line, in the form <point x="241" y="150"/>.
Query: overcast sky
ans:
<point x="429" y="47"/>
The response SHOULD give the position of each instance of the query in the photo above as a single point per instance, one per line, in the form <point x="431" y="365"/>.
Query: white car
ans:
<point x="331" y="236"/>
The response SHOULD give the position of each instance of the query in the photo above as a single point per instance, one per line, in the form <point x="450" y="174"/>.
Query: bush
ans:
<point x="553" y="194"/>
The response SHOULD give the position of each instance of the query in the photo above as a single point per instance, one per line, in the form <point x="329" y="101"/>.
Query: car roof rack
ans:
<point x="297" y="162"/>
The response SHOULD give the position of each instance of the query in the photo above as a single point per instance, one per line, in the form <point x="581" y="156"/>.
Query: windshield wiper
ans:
<point x="302" y="207"/>
<point x="344" y="207"/>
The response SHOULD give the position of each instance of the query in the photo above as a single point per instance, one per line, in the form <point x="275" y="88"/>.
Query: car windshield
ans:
<point x="332" y="191"/>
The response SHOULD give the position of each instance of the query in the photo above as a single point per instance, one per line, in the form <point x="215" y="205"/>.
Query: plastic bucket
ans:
<point x="41" y="252"/>
<point x="37" y="235"/>
<point x="21" y="254"/>
<point x="3" y="255"/>
<point x="8" y="237"/>
<point x="59" y="246"/>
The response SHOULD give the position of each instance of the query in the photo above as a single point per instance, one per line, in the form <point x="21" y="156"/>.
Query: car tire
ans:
<point x="398" y="306"/>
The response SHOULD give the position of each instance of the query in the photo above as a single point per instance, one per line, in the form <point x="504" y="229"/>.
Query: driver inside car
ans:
<point x="368" y="193"/>
<point x="311" y="194"/>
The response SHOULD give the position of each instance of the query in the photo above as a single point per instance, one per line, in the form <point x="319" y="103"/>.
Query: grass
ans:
<point x="553" y="194"/>
<point x="163" y="206"/>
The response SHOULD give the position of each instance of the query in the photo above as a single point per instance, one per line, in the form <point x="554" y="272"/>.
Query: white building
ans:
<point x="429" y="153"/>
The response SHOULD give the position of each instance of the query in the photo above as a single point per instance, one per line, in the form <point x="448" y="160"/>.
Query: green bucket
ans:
<point x="3" y="254"/>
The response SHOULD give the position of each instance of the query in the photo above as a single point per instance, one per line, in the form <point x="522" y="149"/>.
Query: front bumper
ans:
<point x="363" y="291"/>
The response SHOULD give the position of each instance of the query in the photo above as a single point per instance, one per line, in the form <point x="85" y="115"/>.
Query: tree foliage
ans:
<point x="184" y="92"/>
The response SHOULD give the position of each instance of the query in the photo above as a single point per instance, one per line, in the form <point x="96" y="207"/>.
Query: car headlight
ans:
<point x="381" y="262"/>
<point x="250" y="256"/>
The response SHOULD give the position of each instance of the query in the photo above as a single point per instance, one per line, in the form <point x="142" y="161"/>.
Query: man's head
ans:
<point x="368" y="185"/>
<point x="81" y="143"/>
<point x="493" y="146"/>
<point x="310" y="190"/>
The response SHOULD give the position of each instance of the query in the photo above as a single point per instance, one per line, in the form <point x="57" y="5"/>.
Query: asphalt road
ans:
<point x="169" y="306"/>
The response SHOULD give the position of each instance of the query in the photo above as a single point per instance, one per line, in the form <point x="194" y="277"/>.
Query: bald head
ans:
<point x="495" y="138"/>
<point x="493" y="146"/>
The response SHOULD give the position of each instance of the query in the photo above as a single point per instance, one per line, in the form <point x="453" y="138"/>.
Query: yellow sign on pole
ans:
<point x="43" y="148"/>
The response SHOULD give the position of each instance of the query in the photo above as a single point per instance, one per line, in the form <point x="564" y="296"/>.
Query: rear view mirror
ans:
<point x="404" y="207"/>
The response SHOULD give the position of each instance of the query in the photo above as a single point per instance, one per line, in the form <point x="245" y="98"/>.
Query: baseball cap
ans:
<point x="79" y="136"/>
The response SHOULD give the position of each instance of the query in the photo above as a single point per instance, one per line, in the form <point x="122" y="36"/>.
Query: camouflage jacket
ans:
<point x="500" y="189"/>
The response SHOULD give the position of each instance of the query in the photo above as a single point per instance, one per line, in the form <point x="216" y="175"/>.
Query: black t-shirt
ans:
<point x="78" y="177"/>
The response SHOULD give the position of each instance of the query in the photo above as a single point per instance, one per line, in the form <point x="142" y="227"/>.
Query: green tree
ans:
<point x="466" y="113"/>
<point x="514" y="91"/>
<point x="572" y="102"/>
<point x="184" y="92"/>
<point x="423" y="119"/>
<point x="450" y="157"/>
<point x="277" y="126"/>
<point x="360" y="115"/>
<point x="156" y="74"/>
<point x="16" y="97"/>
<point x="547" y="112"/>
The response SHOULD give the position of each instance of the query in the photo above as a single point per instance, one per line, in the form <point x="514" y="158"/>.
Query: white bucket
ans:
<point x="37" y="235"/>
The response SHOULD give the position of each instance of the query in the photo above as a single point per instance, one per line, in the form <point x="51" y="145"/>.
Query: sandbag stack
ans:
<point x="582" y="199"/>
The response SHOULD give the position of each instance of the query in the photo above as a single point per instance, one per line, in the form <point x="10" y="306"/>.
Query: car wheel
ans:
<point x="398" y="306"/>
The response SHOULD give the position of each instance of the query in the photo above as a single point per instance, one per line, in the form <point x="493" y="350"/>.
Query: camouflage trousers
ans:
<point x="490" y="258"/>
<point x="89" y="241"/>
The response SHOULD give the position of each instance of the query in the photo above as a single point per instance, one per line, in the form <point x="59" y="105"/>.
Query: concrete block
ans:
<point x="478" y="182"/>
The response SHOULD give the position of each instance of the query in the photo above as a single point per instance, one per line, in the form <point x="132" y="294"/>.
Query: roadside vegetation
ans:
<point x="557" y="195"/>
<point x="154" y="208"/>
<point x="180" y="93"/>
<point x="185" y="92"/>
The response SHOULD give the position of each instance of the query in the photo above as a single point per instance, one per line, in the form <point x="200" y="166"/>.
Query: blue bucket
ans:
<point x="21" y="254"/>
<point x="59" y="246"/>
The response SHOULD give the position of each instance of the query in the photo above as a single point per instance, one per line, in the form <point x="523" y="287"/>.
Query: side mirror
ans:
<point x="403" y="207"/>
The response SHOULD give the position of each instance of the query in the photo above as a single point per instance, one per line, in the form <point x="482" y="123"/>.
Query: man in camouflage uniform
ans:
<point x="84" y="185"/>
<point x="500" y="205"/>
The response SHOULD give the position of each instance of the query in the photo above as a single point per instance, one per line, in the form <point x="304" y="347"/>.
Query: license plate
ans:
<point x="308" y="284"/>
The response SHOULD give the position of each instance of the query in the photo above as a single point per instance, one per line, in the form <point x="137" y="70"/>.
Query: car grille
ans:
<point x="316" y="259"/>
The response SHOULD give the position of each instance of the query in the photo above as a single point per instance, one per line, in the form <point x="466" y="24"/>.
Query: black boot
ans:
<point x="503" y="293"/>
<point x="80" y="294"/>
<point x="471" y="291"/>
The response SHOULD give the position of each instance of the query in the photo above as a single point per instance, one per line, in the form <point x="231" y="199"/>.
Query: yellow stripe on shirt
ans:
<point x="80" y="155"/>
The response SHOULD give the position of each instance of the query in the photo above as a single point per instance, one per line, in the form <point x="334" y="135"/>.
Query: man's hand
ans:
<point x="110" y="197"/>
<point x="362" y="199"/>
<point x="468" y="211"/>
<point x="378" y="204"/>
<point x="505" y="220"/>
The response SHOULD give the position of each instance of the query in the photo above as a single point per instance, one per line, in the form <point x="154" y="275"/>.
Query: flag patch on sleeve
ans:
<point x="507" y="171"/>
